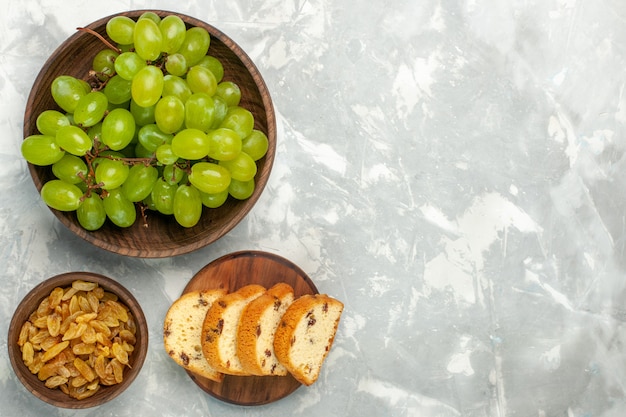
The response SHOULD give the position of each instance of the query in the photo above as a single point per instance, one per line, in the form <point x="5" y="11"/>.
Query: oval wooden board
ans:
<point x="232" y="272"/>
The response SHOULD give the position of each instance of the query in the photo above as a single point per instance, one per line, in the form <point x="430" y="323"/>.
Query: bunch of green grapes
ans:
<point x="159" y="128"/>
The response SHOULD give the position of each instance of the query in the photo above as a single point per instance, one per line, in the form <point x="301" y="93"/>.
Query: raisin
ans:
<point x="258" y="330"/>
<point x="221" y="303"/>
<point x="277" y="304"/>
<point x="325" y="308"/>
<point x="268" y="353"/>
<point x="311" y="321"/>
<point x="184" y="358"/>
<point x="220" y="326"/>
<point x="202" y="301"/>
<point x="273" y="369"/>
<point x="292" y="341"/>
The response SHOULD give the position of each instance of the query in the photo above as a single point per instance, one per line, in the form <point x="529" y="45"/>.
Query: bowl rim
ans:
<point x="33" y="298"/>
<point x="186" y="245"/>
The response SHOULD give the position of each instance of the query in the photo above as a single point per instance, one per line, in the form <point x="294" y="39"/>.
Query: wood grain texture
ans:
<point x="231" y="272"/>
<point x="55" y="396"/>
<point x="163" y="237"/>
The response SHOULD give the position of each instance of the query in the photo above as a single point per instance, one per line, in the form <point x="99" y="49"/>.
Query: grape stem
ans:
<point x="102" y="38"/>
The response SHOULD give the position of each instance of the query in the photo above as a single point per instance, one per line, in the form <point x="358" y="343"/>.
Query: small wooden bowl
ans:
<point x="55" y="396"/>
<point x="163" y="237"/>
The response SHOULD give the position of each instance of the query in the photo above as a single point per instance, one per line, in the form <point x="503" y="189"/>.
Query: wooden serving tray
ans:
<point x="231" y="272"/>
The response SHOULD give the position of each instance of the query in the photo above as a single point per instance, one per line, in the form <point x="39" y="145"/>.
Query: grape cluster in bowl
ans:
<point x="171" y="120"/>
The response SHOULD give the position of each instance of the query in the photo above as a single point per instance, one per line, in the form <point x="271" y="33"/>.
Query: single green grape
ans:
<point x="230" y="92"/>
<point x="120" y="29"/>
<point x="111" y="173"/>
<point x="74" y="140"/>
<point x="118" y="90"/>
<point x="147" y="85"/>
<point x="176" y="86"/>
<point x="190" y="144"/>
<point x="143" y="115"/>
<point x="61" y="195"/>
<point x="173" y="174"/>
<point x="152" y="16"/>
<point x="147" y="39"/>
<point x="209" y="177"/>
<point x="139" y="151"/>
<point x="241" y="190"/>
<point x="139" y="183"/>
<point x="104" y="63"/>
<point x="173" y="30"/>
<point x="151" y="137"/>
<point x="195" y="45"/>
<point x="214" y="64"/>
<point x="214" y="200"/>
<point x="240" y="120"/>
<point x="118" y="129"/>
<point x="165" y="155"/>
<point x="255" y="144"/>
<point x="199" y="112"/>
<point x="66" y="91"/>
<point x="201" y="80"/>
<point x="90" y="109"/>
<point x="187" y="205"/>
<point x="49" y="121"/>
<point x="91" y="214"/>
<point x="128" y="64"/>
<point x="119" y="209"/>
<point x="221" y="109"/>
<point x="70" y="169"/>
<point x="169" y="114"/>
<point x="163" y="196"/>
<point x="148" y="203"/>
<point x="176" y="64"/>
<point x="224" y="144"/>
<point x="241" y="168"/>
<point x="41" y="150"/>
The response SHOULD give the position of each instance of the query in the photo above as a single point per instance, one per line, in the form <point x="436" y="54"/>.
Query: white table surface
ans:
<point x="453" y="171"/>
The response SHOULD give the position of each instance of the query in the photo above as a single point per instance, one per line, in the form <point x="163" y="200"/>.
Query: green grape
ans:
<point x="95" y="134"/>
<point x="143" y="115"/>
<point x="176" y="86"/>
<point x="147" y="86"/>
<point x="151" y="137"/>
<point x="165" y="155"/>
<point x="147" y="39"/>
<point x="173" y="174"/>
<point x="176" y="64"/>
<point x="209" y="177"/>
<point x="121" y="29"/>
<point x="61" y="195"/>
<point x="104" y="63"/>
<point x="118" y="129"/>
<point x="201" y="80"/>
<point x="214" y="64"/>
<point x="163" y="196"/>
<point x="173" y="30"/>
<point x="241" y="168"/>
<point x="190" y="144"/>
<point x="128" y="64"/>
<point x="240" y="120"/>
<point x="126" y="48"/>
<point x="224" y="144"/>
<point x="111" y="173"/>
<point x="169" y="114"/>
<point x="70" y="169"/>
<point x="152" y="16"/>
<point x="241" y="190"/>
<point x="187" y="205"/>
<point x="49" y="121"/>
<point x="41" y="150"/>
<point x="91" y="214"/>
<point x="90" y="109"/>
<point x="214" y="200"/>
<point x="118" y="209"/>
<point x="148" y="203"/>
<point x="195" y="45"/>
<point x="230" y="92"/>
<point x="138" y="185"/>
<point x="74" y="140"/>
<point x="141" y="152"/>
<point x="255" y="144"/>
<point x="221" y="108"/>
<point x="66" y="91"/>
<point x="199" y="112"/>
<point x="118" y="90"/>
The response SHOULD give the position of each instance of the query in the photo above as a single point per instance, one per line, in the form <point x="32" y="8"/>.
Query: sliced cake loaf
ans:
<point x="305" y="335"/>
<point x="257" y="325"/>
<point x="219" y="330"/>
<point x="182" y="332"/>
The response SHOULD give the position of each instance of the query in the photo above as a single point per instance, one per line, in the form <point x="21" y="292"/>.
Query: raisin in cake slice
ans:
<point x="257" y="326"/>
<point x="306" y="334"/>
<point x="182" y="332"/>
<point x="219" y="330"/>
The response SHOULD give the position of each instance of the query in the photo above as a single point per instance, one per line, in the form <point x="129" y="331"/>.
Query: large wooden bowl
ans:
<point x="163" y="237"/>
<point x="30" y="303"/>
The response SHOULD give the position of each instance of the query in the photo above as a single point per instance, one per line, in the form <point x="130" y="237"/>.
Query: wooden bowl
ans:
<point x="30" y="303"/>
<point x="163" y="237"/>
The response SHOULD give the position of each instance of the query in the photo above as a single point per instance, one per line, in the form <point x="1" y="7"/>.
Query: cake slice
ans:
<point x="182" y="332"/>
<point x="257" y="326"/>
<point x="305" y="335"/>
<point x="219" y="330"/>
